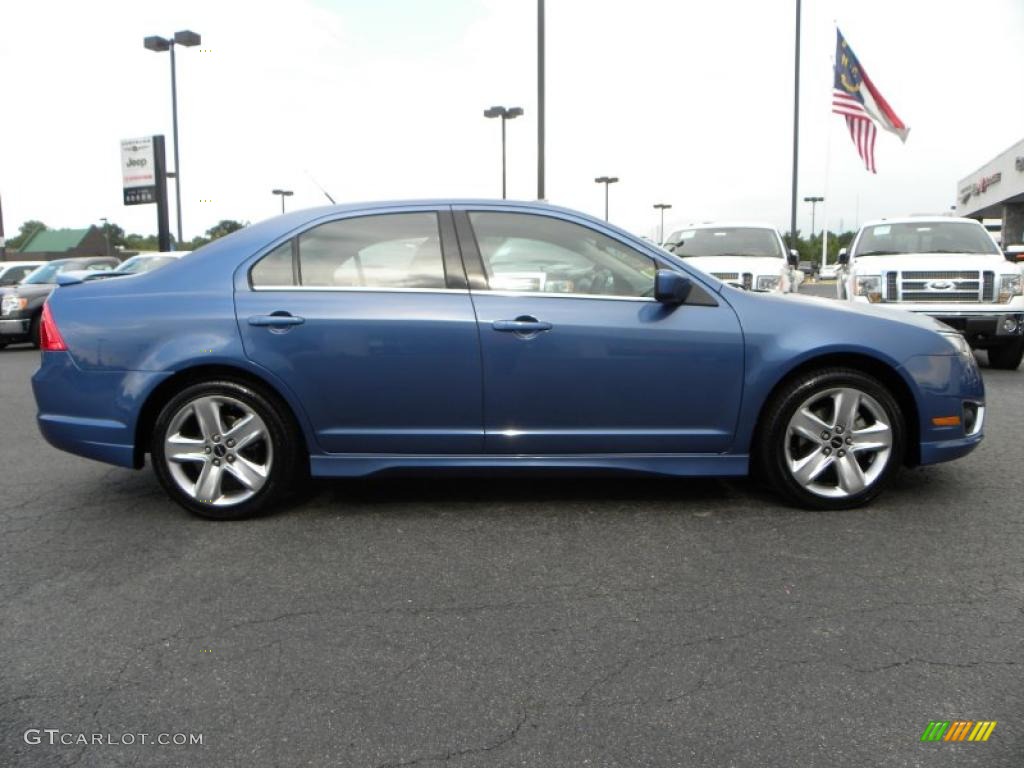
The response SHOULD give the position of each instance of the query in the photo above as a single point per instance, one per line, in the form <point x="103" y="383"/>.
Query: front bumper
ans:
<point x="14" y="328"/>
<point x="948" y="385"/>
<point x="983" y="328"/>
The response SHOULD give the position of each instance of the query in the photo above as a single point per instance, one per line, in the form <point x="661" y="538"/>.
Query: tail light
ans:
<point x="50" y="339"/>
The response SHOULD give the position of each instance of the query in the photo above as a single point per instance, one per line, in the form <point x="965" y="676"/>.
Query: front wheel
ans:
<point x="1007" y="357"/>
<point x="223" y="450"/>
<point x="832" y="440"/>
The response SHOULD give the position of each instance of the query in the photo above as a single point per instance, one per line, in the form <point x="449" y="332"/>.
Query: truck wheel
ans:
<point x="1008" y="356"/>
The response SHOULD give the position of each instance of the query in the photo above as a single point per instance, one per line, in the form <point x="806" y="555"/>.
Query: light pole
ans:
<point x="606" y="180"/>
<point x="505" y="113"/>
<point x="283" y="193"/>
<point x="158" y="44"/>
<point x="661" y="232"/>
<point x="106" y="232"/>
<point x="814" y="203"/>
<point x="540" y="100"/>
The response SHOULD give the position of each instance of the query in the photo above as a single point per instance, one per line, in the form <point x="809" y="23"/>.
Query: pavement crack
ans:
<point x="456" y="753"/>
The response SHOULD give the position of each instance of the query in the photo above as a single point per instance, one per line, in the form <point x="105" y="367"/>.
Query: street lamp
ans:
<point x="283" y="193"/>
<point x="509" y="113"/>
<point x="606" y="180"/>
<point x="661" y="232"/>
<point x="106" y="232"/>
<point x="158" y="44"/>
<point x="814" y="202"/>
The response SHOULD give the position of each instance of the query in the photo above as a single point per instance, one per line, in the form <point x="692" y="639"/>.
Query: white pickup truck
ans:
<point x="751" y="256"/>
<point x="945" y="267"/>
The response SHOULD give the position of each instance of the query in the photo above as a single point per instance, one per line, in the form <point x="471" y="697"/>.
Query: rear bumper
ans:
<point x="90" y="413"/>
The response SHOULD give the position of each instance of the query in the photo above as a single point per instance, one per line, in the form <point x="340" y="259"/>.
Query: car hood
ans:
<point x="856" y="308"/>
<point x="756" y="265"/>
<point x="32" y="290"/>
<point x="927" y="262"/>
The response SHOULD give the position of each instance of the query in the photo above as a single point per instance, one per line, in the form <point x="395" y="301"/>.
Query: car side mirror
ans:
<point x="1014" y="253"/>
<point x="844" y="256"/>
<point x="671" y="287"/>
<point x="793" y="258"/>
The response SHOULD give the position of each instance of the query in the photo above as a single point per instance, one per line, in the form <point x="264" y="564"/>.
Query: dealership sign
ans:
<point x="979" y="187"/>
<point x="138" y="171"/>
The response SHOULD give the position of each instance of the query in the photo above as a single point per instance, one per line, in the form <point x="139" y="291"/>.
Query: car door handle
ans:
<point x="522" y="325"/>
<point x="276" y="320"/>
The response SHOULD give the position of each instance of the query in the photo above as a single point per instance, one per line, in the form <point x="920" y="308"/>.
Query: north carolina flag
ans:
<point x="856" y="98"/>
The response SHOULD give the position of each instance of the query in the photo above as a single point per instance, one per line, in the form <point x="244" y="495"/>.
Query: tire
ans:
<point x="814" y="459"/>
<point x="1008" y="356"/>
<point x="215" y="476"/>
<point x="33" y="331"/>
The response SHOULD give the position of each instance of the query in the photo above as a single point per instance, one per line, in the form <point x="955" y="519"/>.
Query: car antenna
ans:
<point x="320" y="188"/>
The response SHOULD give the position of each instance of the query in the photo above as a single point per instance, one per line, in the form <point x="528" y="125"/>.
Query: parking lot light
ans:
<point x="505" y="113"/>
<point x="661" y="232"/>
<point x="606" y="180"/>
<point x="283" y="193"/>
<point x="158" y="44"/>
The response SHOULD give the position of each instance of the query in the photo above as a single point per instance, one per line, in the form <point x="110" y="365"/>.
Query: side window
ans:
<point x="527" y="252"/>
<point x="275" y="269"/>
<point x="399" y="250"/>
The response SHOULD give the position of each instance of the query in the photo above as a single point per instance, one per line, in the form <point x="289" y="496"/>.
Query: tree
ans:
<point x="115" y="235"/>
<point x="224" y="227"/>
<point x="25" y="231"/>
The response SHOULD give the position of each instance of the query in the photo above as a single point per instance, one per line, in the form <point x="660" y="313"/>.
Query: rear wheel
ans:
<point x="833" y="440"/>
<point x="1008" y="356"/>
<point x="225" y="451"/>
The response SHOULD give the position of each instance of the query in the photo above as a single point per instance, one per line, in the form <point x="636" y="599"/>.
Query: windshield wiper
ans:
<point x="878" y="253"/>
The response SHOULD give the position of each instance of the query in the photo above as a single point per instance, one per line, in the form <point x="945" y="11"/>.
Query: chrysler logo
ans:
<point x="941" y="285"/>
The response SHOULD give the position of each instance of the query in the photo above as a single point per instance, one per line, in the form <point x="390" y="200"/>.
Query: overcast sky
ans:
<point x="688" y="102"/>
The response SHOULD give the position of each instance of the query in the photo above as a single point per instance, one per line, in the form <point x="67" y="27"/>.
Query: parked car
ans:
<point x="828" y="272"/>
<point x="13" y="272"/>
<point x="134" y="265"/>
<point x="22" y="307"/>
<point x="752" y="256"/>
<point x="945" y="267"/>
<point x="485" y="335"/>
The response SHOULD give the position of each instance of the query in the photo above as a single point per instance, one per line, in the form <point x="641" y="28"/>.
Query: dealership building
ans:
<point x="996" y="191"/>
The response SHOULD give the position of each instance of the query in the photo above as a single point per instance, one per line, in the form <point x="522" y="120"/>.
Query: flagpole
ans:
<point x="796" y="129"/>
<point x="825" y="193"/>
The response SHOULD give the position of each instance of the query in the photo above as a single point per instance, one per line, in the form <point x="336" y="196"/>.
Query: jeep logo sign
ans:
<point x="138" y="171"/>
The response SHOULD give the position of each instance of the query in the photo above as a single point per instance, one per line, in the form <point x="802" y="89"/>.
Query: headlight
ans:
<point x="1009" y="286"/>
<point x="958" y="341"/>
<point x="768" y="283"/>
<point x="12" y="304"/>
<point x="870" y="286"/>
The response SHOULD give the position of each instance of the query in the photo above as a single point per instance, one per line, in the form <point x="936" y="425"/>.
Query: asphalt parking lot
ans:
<point x="500" y="622"/>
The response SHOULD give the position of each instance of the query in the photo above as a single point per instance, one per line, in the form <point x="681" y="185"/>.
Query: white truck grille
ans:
<point x="946" y="287"/>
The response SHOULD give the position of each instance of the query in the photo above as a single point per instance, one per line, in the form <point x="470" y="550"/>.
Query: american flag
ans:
<point x="857" y="99"/>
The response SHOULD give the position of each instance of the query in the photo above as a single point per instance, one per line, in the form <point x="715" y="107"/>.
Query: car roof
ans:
<point x="921" y="220"/>
<point x="5" y="264"/>
<point x="729" y="224"/>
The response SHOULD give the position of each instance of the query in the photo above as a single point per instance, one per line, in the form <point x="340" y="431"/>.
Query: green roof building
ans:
<point x="51" y="244"/>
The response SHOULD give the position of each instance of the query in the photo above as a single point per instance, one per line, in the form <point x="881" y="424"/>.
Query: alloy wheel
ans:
<point x="838" y="442"/>
<point x="218" y="450"/>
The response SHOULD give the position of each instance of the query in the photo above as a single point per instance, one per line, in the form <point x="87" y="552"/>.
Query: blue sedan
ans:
<point x="481" y="335"/>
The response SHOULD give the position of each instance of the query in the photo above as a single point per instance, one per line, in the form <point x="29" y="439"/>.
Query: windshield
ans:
<point x="924" y="237"/>
<point x="137" y="264"/>
<point x="46" y="273"/>
<point x="726" y="241"/>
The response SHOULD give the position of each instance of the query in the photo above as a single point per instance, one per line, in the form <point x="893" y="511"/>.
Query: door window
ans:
<point x="526" y="252"/>
<point x="400" y="250"/>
